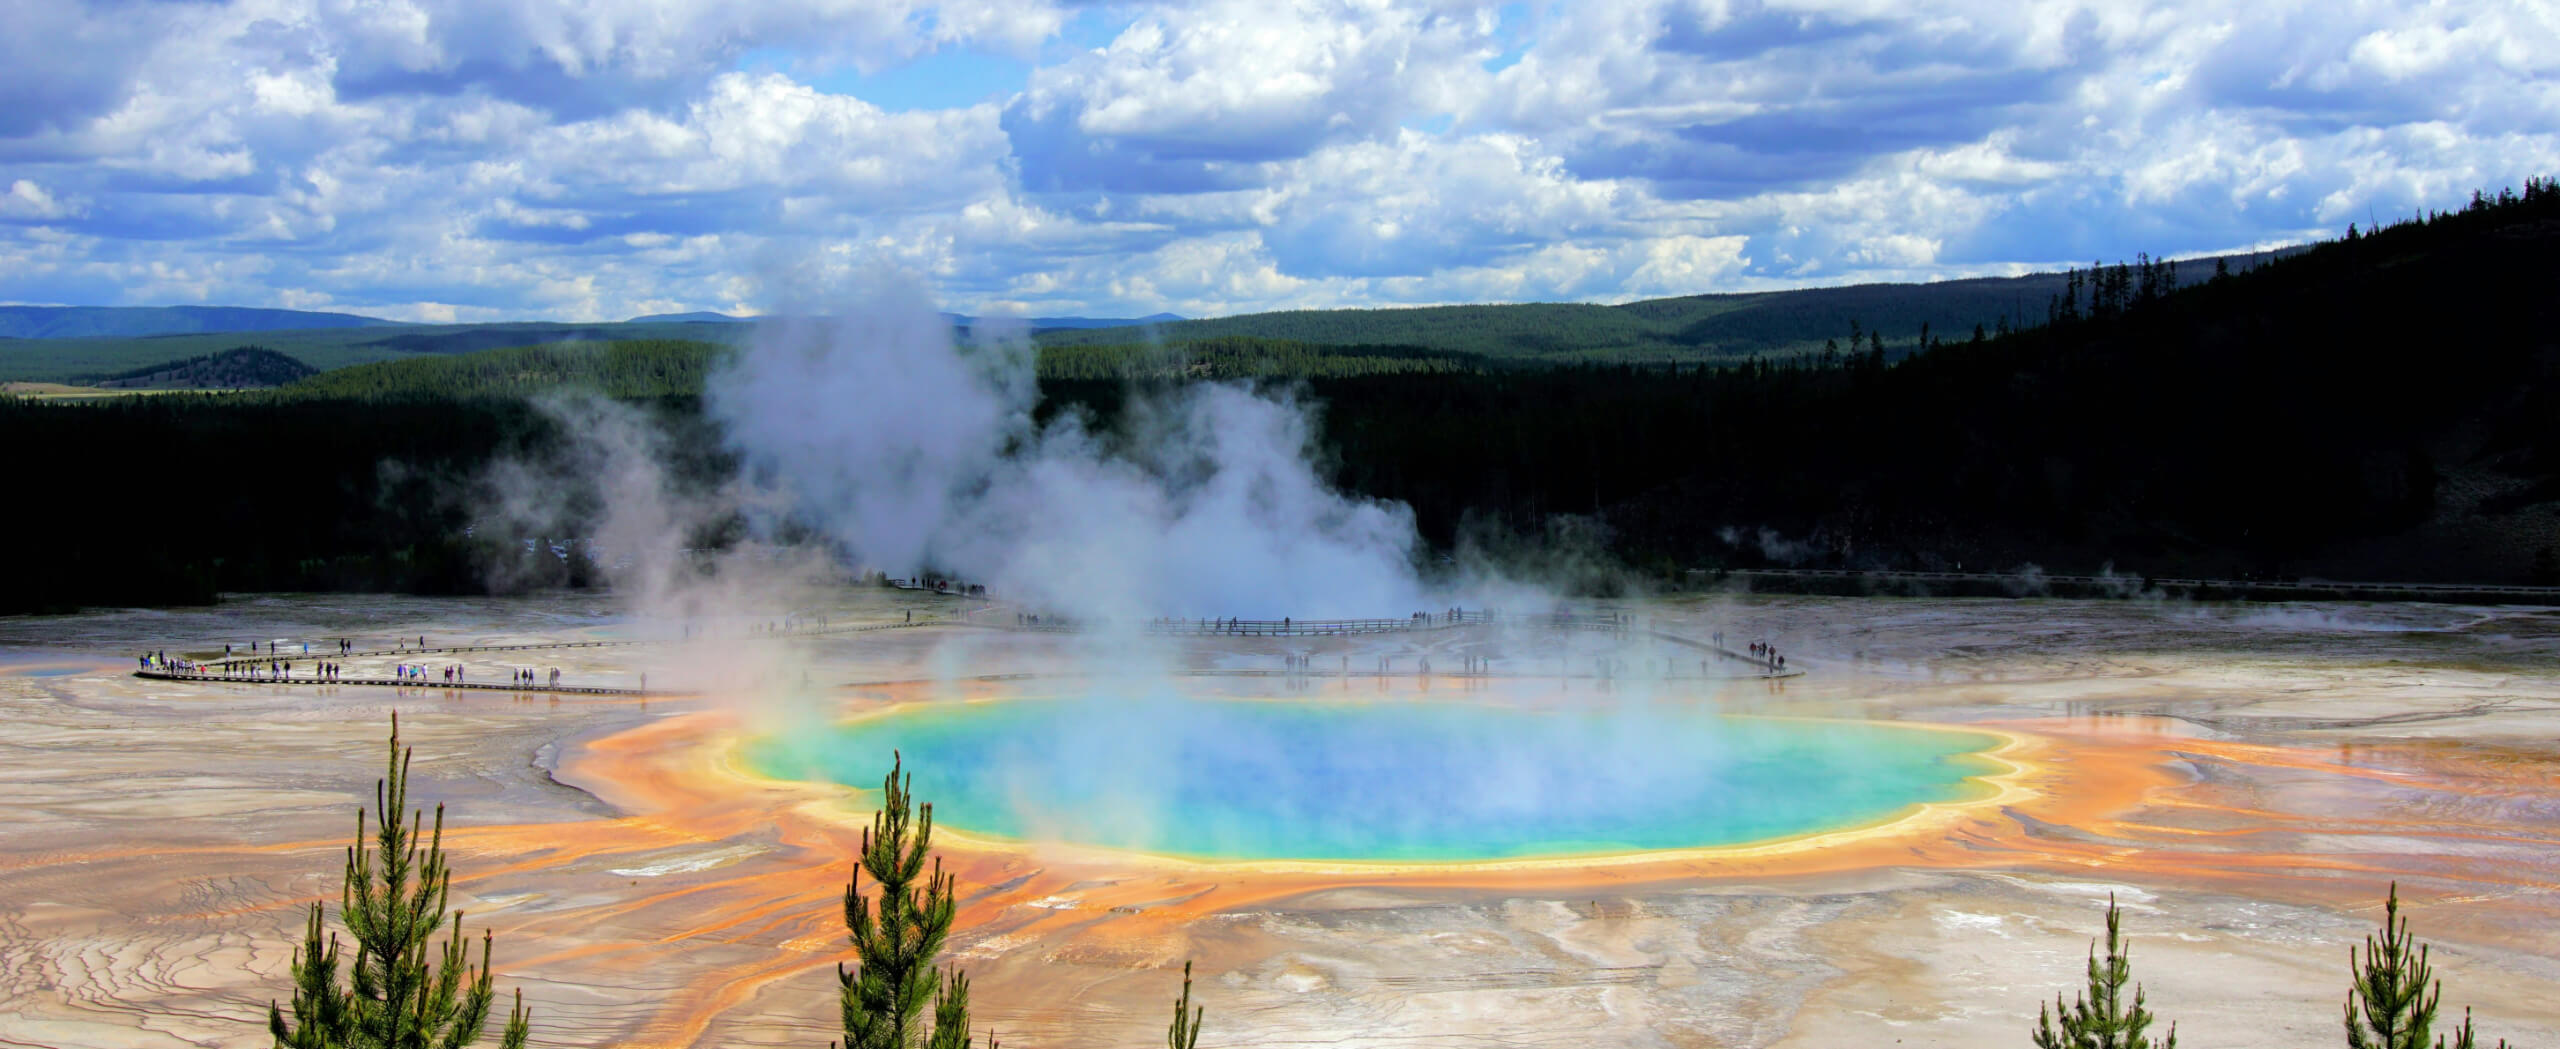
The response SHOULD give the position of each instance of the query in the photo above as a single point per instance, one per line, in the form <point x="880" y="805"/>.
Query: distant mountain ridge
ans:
<point x="958" y="320"/>
<point x="81" y="322"/>
<point x="1720" y="326"/>
<point x="1078" y="323"/>
<point x="695" y="317"/>
<point x="1723" y="328"/>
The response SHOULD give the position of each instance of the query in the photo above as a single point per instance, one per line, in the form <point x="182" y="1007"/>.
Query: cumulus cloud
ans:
<point x="470" y="159"/>
<point x="1419" y="203"/>
<point x="27" y="201"/>
<point x="1193" y="97"/>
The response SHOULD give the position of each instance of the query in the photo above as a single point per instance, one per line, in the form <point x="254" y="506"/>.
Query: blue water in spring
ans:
<point x="1409" y="781"/>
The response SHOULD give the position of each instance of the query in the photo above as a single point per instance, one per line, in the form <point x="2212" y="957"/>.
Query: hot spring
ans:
<point x="1410" y="781"/>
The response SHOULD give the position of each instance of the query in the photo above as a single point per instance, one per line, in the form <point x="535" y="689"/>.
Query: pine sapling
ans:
<point x="884" y="996"/>
<point x="402" y="991"/>
<point x="1185" y="1032"/>
<point x="2100" y="1019"/>
<point x="2392" y="1003"/>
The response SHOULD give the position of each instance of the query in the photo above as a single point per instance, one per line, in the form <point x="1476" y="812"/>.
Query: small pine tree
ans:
<point x="951" y="1014"/>
<point x="2393" y="1002"/>
<point x="1185" y="1032"/>
<point x="884" y="996"/>
<point x="401" y="994"/>
<point x="2100" y="1019"/>
<point x="2464" y="1037"/>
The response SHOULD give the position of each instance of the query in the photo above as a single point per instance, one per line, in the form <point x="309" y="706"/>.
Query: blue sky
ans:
<point x="496" y="159"/>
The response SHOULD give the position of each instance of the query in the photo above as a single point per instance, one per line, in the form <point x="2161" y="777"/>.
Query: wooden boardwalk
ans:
<point x="1618" y="623"/>
<point x="239" y="678"/>
<point x="1420" y="622"/>
<point x="2133" y="585"/>
<point x="532" y="646"/>
<point x="397" y="682"/>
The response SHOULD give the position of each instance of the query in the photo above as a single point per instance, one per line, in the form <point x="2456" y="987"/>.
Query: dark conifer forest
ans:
<point x="2382" y="406"/>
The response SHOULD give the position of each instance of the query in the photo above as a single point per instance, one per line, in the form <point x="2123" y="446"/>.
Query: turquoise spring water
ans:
<point x="1383" y="781"/>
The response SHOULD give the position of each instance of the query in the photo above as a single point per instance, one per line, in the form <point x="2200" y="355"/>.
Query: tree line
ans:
<point x="2382" y="406"/>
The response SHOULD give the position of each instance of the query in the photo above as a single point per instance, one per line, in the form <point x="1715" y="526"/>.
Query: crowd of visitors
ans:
<point x="272" y="668"/>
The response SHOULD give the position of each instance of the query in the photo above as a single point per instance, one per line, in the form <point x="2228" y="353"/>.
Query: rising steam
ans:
<point x="913" y="452"/>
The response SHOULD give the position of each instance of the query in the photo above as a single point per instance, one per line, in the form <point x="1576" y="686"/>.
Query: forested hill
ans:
<point x="627" y="369"/>
<point x="1692" y="328"/>
<point x="659" y="368"/>
<point x="245" y="367"/>
<point x="2384" y="406"/>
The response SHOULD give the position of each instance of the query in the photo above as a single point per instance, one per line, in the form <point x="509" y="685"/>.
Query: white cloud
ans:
<point x="767" y="135"/>
<point x="28" y="201"/>
<point x="1417" y="203"/>
<point x="1192" y="97"/>
<point x="1682" y="265"/>
<point x="479" y="159"/>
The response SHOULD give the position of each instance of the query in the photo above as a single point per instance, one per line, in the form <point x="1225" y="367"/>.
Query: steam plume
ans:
<point x="914" y="451"/>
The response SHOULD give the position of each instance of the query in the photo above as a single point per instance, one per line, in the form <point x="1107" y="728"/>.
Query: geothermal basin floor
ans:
<point x="2245" y="779"/>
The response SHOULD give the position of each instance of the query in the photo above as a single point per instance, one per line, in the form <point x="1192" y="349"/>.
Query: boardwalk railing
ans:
<point x="1420" y="621"/>
<point x="2134" y="584"/>
<point x="397" y="682"/>
<point x="253" y="655"/>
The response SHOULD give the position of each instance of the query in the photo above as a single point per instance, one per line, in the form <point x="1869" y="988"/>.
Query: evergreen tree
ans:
<point x="2393" y="1002"/>
<point x="1185" y="1032"/>
<point x="2464" y="1037"/>
<point x="951" y="1014"/>
<point x="893" y="980"/>
<point x="2100" y="1019"/>
<point x="401" y="993"/>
